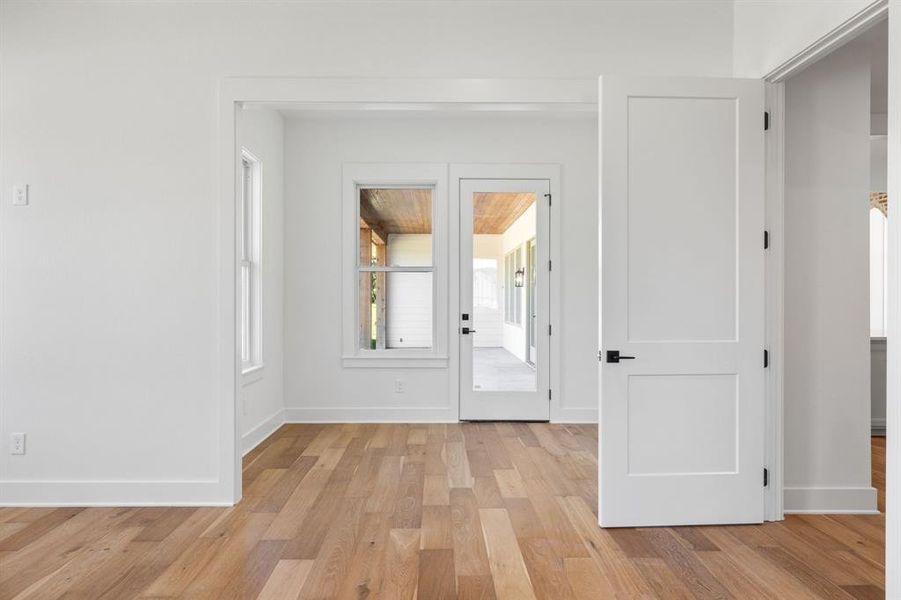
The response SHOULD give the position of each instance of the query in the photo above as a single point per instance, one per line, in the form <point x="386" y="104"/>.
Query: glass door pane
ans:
<point x="503" y="232"/>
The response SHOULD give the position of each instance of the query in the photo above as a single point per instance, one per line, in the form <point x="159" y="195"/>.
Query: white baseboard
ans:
<point x="370" y="415"/>
<point x="576" y="415"/>
<point x="255" y="436"/>
<point x="838" y="500"/>
<point x="409" y="415"/>
<point x="112" y="493"/>
<point x="877" y="427"/>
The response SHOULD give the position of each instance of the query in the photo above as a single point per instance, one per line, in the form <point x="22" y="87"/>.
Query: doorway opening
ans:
<point x="830" y="229"/>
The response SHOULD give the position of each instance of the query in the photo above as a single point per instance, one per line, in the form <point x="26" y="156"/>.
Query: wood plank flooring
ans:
<point x="492" y="510"/>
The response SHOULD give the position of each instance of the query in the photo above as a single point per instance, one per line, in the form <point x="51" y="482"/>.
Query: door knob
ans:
<point x="613" y="356"/>
<point x="466" y="330"/>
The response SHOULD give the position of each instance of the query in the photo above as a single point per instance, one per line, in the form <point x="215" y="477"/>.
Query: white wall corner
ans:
<point x="258" y="434"/>
<point x="831" y="500"/>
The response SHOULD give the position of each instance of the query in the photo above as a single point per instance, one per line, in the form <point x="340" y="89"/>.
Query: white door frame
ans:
<point x="550" y="172"/>
<point x="362" y="94"/>
<point x="874" y="13"/>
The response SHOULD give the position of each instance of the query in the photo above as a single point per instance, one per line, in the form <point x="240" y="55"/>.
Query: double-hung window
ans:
<point x="251" y="273"/>
<point x="393" y="252"/>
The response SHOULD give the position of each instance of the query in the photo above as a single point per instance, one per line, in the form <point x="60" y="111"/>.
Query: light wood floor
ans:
<point x="427" y="511"/>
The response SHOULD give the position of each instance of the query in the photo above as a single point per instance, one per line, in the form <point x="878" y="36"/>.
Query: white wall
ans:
<point x="261" y="393"/>
<point x="108" y="281"/>
<point x="488" y="321"/>
<point x="409" y="302"/>
<point x="317" y="386"/>
<point x="769" y="32"/>
<point x="878" y="163"/>
<point x="827" y="347"/>
<point x="520" y="231"/>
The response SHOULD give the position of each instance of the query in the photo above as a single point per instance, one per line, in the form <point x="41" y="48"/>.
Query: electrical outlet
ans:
<point x="400" y="386"/>
<point x="17" y="444"/>
<point x="20" y="194"/>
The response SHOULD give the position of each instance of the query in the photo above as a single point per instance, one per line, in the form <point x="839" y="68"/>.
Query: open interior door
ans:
<point x="682" y="301"/>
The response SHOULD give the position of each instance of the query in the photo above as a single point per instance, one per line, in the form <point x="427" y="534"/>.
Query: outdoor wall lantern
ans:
<point x="519" y="278"/>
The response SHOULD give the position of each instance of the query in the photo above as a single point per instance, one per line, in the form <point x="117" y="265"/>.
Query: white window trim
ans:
<point x="252" y="368"/>
<point x="364" y="175"/>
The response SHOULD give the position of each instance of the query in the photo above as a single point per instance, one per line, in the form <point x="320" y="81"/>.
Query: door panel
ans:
<point x="682" y="291"/>
<point x="502" y="377"/>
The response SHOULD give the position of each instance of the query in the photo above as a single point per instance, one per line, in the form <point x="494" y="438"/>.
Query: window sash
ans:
<point x="370" y="268"/>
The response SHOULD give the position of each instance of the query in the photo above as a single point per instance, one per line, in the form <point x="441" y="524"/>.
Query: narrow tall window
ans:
<point x="251" y="273"/>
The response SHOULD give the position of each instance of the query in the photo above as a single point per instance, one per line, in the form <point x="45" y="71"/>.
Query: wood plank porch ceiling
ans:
<point x="388" y="211"/>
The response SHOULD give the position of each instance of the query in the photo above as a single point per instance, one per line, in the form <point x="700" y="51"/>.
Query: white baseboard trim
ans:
<point x="112" y="493"/>
<point x="255" y="436"/>
<point x="408" y="415"/>
<point x="839" y="500"/>
<point x="877" y="427"/>
<point x="370" y="415"/>
<point x="576" y="415"/>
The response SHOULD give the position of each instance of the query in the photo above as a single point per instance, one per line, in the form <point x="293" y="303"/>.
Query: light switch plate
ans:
<point x="20" y="194"/>
<point x="17" y="443"/>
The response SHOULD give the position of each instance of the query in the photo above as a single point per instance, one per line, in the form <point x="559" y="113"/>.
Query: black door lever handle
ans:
<point x="613" y="356"/>
<point x="466" y="330"/>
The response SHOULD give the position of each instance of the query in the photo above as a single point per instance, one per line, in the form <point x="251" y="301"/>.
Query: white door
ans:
<point x="682" y="301"/>
<point x="501" y="378"/>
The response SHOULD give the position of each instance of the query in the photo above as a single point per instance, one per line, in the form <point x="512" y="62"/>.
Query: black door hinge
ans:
<point x="766" y="477"/>
<point x="550" y="200"/>
<point x="549" y="266"/>
<point x="549" y="330"/>
<point x="766" y="120"/>
<point x="766" y="240"/>
<point x="549" y="394"/>
<point x="766" y="359"/>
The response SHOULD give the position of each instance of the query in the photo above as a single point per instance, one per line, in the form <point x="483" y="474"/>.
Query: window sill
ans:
<point x="402" y="361"/>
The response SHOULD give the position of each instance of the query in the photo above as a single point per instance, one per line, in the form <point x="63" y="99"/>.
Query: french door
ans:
<point x="682" y="301"/>
<point x="504" y="299"/>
